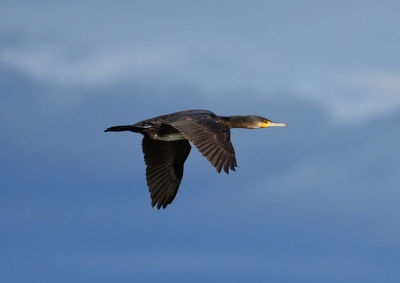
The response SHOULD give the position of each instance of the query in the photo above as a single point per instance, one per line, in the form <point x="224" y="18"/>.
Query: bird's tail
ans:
<point x="130" y="128"/>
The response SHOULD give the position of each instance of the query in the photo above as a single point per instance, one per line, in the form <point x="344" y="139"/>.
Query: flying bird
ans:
<point x="166" y="145"/>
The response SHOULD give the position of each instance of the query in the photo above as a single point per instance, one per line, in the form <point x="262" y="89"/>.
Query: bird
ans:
<point x="166" y="145"/>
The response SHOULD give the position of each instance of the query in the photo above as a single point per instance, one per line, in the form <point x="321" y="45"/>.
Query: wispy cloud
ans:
<point x="375" y="91"/>
<point x="354" y="96"/>
<point x="93" y="67"/>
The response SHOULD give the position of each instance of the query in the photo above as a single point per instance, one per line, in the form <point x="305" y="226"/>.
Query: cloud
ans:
<point x="355" y="95"/>
<point x="380" y="90"/>
<point x="350" y="96"/>
<point x="93" y="67"/>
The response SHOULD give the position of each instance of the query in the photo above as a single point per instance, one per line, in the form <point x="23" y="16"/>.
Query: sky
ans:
<point x="316" y="201"/>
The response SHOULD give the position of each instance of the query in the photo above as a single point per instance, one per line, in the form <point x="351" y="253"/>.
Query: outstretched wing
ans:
<point x="164" y="168"/>
<point x="211" y="138"/>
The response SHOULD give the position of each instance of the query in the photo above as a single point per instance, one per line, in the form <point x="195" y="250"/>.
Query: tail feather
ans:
<point x="130" y="128"/>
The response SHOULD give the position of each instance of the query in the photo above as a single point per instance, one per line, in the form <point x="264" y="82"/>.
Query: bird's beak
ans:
<point x="272" y="124"/>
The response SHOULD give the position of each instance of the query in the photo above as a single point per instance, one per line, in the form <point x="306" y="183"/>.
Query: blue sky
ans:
<point x="316" y="201"/>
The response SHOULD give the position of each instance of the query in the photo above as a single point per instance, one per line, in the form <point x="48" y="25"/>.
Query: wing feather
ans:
<point x="210" y="137"/>
<point x="164" y="168"/>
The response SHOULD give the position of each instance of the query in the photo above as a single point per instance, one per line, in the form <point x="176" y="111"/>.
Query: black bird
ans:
<point x="166" y="145"/>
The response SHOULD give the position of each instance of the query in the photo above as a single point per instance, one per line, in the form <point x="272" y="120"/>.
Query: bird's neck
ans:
<point x="234" y="121"/>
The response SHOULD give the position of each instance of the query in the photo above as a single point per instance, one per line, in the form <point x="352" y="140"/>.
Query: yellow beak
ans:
<point x="272" y="124"/>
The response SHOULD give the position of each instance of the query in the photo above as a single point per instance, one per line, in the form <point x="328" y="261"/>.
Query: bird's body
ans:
<point x="166" y="145"/>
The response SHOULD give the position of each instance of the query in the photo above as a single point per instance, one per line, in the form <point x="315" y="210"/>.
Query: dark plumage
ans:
<point x="166" y="146"/>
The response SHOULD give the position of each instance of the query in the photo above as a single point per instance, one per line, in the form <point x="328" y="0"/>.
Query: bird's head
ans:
<point x="256" y="122"/>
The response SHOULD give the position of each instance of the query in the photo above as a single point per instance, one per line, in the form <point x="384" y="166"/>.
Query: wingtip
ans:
<point x="160" y="205"/>
<point x="226" y="168"/>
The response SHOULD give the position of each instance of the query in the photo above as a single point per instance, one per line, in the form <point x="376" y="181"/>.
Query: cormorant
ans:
<point x="166" y="145"/>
